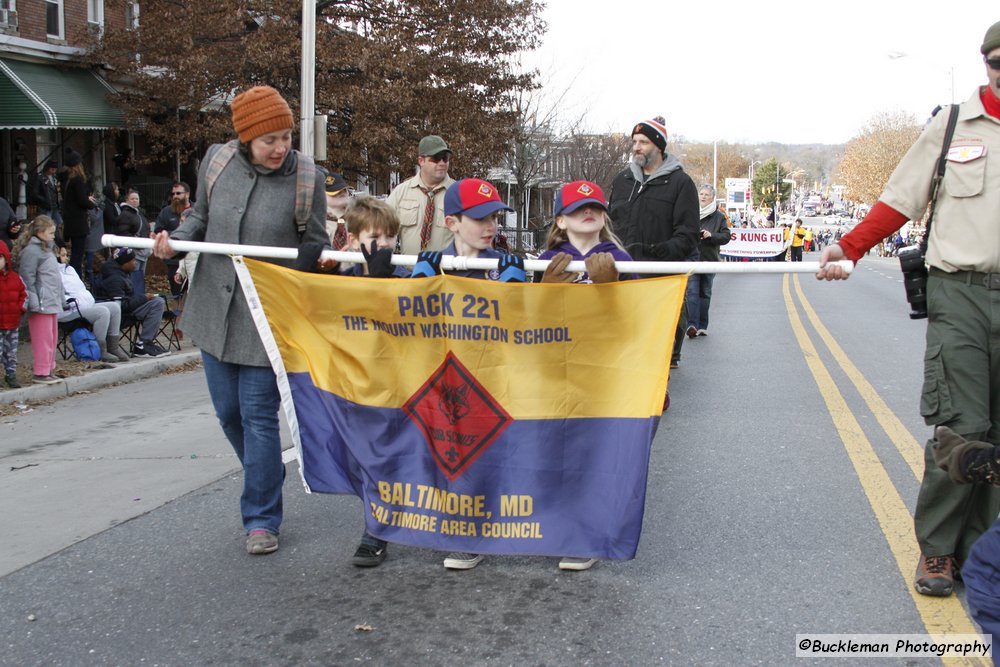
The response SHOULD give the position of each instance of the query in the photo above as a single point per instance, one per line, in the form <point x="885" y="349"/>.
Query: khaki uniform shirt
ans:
<point x="409" y="201"/>
<point x="965" y="233"/>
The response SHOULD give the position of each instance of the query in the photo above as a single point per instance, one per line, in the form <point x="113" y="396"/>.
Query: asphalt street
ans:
<point x="765" y="517"/>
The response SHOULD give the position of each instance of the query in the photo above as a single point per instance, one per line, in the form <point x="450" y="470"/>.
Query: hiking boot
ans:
<point x="692" y="332"/>
<point x="462" y="561"/>
<point x="369" y="555"/>
<point x="261" y="542"/>
<point x="12" y="382"/>
<point x="935" y="575"/>
<point x="45" y="379"/>
<point x="576" y="564"/>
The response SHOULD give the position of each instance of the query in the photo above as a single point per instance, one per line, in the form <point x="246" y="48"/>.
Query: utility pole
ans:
<point x="307" y="82"/>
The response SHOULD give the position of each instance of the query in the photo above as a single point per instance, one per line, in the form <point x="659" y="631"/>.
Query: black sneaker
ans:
<point x="368" y="555"/>
<point x="12" y="382"/>
<point x="149" y="349"/>
<point x="153" y="349"/>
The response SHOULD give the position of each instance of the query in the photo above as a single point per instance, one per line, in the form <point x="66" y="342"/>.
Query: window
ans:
<point x="47" y="146"/>
<point x="54" y="18"/>
<point x="95" y="11"/>
<point x="8" y="14"/>
<point x="131" y="15"/>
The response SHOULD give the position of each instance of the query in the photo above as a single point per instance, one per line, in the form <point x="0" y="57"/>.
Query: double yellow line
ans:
<point x="940" y="616"/>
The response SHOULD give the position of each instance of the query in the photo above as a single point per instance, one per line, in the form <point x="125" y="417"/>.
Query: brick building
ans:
<point x="49" y="100"/>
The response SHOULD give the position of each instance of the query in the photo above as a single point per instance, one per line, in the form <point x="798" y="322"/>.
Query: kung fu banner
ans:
<point x="472" y="415"/>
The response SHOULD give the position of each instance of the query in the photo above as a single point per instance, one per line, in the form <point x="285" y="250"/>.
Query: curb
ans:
<point x="137" y="369"/>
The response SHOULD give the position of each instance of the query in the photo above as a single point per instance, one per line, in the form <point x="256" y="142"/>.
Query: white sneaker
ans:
<point x="462" y="561"/>
<point x="576" y="564"/>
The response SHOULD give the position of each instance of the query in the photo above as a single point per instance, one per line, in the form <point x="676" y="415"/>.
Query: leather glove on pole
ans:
<point x="511" y="269"/>
<point x="555" y="272"/>
<point x="309" y="253"/>
<point x="964" y="460"/>
<point x="601" y="268"/>
<point x="428" y="264"/>
<point x="379" y="261"/>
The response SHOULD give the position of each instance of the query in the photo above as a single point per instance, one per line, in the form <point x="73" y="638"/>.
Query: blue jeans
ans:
<point x="139" y="277"/>
<point x="246" y="402"/>
<point x="982" y="584"/>
<point x="699" y="298"/>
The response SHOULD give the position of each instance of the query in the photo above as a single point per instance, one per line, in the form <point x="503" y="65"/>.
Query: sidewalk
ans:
<point x="88" y="376"/>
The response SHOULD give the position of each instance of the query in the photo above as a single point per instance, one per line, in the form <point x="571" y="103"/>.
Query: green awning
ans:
<point x="34" y="96"/>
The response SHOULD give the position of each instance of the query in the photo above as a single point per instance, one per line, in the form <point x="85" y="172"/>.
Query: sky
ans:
<point x="791" y="72"/>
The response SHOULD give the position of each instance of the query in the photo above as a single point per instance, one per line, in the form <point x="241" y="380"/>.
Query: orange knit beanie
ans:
<point x="258" y="111"/>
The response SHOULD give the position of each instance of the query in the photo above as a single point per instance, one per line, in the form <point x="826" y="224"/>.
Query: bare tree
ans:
<point x="598" y="157"/>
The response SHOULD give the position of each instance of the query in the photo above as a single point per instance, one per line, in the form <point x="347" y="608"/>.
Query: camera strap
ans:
<point x="942" y="162"/>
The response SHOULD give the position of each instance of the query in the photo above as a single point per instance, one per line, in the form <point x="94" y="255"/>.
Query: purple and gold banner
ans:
<point x="471" y="415"/>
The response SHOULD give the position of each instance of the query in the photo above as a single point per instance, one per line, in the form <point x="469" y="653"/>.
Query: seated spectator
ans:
<point x="105" y="317"/>
<point x="116" y="283"/>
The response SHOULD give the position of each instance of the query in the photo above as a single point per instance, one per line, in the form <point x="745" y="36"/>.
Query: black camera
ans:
<point x="911" y="261"/>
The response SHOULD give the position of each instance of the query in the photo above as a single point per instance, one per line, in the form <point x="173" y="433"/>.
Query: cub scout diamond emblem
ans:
<point x="457" y="415"/>
<point x="966" y="153"/>
<point x="485" y="191"/>
<point x="585" y="189"/>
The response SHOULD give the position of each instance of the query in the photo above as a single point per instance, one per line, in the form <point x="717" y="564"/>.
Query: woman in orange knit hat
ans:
<point x="247" y="194"/>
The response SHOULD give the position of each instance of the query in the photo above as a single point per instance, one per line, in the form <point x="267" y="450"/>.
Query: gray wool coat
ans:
<point x="249" y="205"/>
<point x="39" y="270"/>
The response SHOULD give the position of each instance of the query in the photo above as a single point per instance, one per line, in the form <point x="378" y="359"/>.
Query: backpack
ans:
<point x="305" y="180"/>
<point x="84" y="342"/>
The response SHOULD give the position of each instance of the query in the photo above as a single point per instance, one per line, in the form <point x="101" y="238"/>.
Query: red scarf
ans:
<point x="990" y="102"/>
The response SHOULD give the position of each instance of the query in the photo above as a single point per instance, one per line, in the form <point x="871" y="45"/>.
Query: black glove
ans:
<point x="379" y="261"/>
<point x="950" y="452"/>
<point x="309" y="253"/>
<point x="428" y="264"/>
<point x="657" y="250"/>
<point x="511" y="269"/>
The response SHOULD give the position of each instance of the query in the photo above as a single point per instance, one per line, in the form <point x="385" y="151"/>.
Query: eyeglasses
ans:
<point x="178" y="194"/>
<point x="992" y="63"/>
<point x="440" y="157"/>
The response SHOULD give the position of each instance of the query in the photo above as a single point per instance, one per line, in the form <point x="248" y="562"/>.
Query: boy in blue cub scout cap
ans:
<point x="471" y="206"/>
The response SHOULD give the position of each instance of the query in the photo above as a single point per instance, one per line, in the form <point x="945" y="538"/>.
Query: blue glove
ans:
<point x="511" y="269"/>
<point x="428" y="264"/>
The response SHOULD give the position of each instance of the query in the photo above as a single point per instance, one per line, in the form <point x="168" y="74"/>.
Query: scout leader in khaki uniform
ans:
<point x="961" y="377"/>
<point x="419" y="201"/>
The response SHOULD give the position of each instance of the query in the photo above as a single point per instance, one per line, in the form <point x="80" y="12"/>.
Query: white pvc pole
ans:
<point x="450" y="263"/>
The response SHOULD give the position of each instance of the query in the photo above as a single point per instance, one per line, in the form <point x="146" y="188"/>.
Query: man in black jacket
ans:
<point x="654" y="205"/>
<point x="45" y="192"/>
<point x="116" y="283"/>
